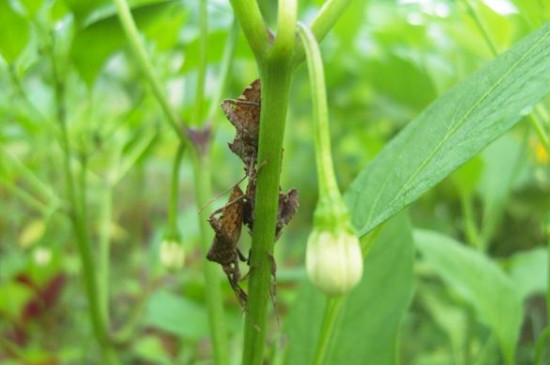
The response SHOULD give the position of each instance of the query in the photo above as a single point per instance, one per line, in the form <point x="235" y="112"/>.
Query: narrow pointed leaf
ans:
<point x="452" y="130"/>
<point x="480" y="282"/>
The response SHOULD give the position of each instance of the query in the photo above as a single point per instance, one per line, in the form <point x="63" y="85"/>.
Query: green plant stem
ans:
<point x="79" y="226"/>
<point x="539" y="350"/>
<point x="537" y="124"/>
<point x="227" y="62"/>
<point x="533" y="119"/>
<point x="275" y="73"/>
<point x="138" y="48"/>
<point x="43" y="190"/>
<point x="286" y="29"/>
<point x="174" y="190"/>
<point x="332" y="310"/>
<point x="543" y="135"/>
<point x="27" y="198"/>
<point x="548" y="296"/>
<point x="105" y="230"/>
<point x="250" y="19"/>
<point x="323" y="22"/>
<point x="200" y="162"/>
<point x="196" y="117"/>
<point x="214" y="298"/>
<point x="472" y="231"/>
<point x="328" y="186"/>
<point x="275" y="92"/>
<point x="482" y="29"/>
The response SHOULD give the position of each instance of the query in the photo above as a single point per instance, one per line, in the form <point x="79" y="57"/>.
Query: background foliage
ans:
<point x="472" y="292"/>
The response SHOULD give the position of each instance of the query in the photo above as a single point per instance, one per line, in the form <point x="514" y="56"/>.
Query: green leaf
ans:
<point x="94" y="44"/>
<point x="371" y="316"/>
<point x="502" y="162"/>
<point x="151" y="350"/>
<point x="535" y="11"/>
<point x="451" y="131"/>
<point x="480" y="282"/>
<point x="527" y="270"/>
<point x="13" y="296"/>
<point x="14" y="30"/>
<point x="177" y="315"/>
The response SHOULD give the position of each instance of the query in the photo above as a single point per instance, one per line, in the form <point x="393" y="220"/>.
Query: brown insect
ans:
<point x="224" y="248"/>
<point x="244" y="114"/>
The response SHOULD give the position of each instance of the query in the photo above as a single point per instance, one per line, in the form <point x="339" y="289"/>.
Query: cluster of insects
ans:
<point x="227" y="222"/>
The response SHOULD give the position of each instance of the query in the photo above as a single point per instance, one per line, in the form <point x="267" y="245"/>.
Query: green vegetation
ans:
<point x="417" y="134"/>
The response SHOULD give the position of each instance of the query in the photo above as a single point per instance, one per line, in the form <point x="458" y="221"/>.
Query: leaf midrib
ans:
<point x="448" y="135"/>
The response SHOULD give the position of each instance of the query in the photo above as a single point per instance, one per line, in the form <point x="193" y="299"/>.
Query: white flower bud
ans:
<point x="172" y="254"/>
<point x="42" y="256"/>
<point x="334" y="260"/>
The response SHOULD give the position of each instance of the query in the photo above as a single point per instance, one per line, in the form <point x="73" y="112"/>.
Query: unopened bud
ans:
<point x="172" y="254"/>
<point x="42" y="256"/>
<point x="334" y="260"/>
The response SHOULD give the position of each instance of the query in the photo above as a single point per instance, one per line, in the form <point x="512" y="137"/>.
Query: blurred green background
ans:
<point x="385" y="61"/>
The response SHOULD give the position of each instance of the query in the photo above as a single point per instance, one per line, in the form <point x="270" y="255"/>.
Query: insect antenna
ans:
<point x="221" y="194"/>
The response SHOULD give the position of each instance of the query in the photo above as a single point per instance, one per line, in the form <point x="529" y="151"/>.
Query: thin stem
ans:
<point x="174" y="190"/>
<point x="106" y="210"/>
<point x="214" y="298"/>
<point x="472" y="232"/>
<point x="251" y="21"/>
<point x="332" y="310"/>
<point x="196" y="118"/>
<point x="324" y="21"/>
<point x="132" y="34"/>
<point x="225" y="68"/>
<point x="535" y="122"/>
<point x="328" y="186"/>
<point x="545" y="335"/>
<point x="79" y="225"/>
<point x="30" y="177"/>
<point x="30" y="200"/>
<point x="548" y="288"/>
<point x="202" y="186"/>
<point x="482" y="29"/>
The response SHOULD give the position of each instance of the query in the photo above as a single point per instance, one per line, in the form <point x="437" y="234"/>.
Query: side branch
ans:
<point x="250" y="19"/>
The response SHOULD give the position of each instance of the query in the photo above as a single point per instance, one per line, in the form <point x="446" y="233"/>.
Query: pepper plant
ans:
<point x="113" y="152"/>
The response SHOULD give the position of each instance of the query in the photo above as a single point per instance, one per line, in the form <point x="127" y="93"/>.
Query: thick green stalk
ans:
<point x="275" y="74"/>
<point x="275" y="78"/>
<point x="214" y="298"/>
<point x="332" y="310"/>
